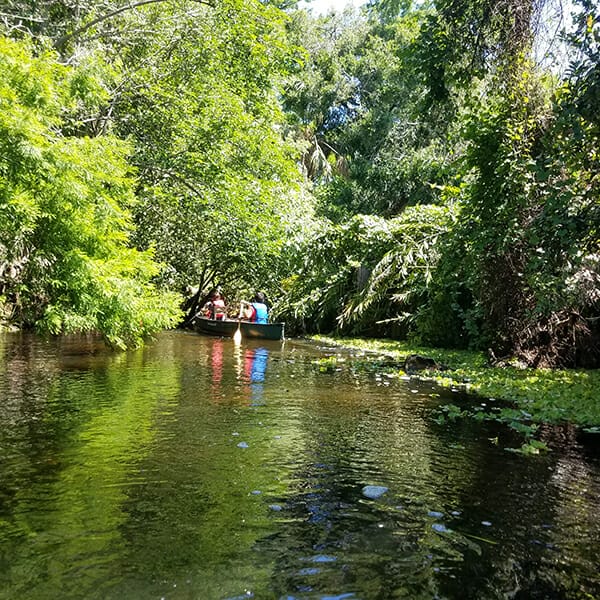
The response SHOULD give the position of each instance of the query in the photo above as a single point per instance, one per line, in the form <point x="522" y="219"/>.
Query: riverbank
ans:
<point x="549" y="396"/>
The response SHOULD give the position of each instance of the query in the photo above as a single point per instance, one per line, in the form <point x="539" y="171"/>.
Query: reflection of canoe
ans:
<point x="226" y="328"/>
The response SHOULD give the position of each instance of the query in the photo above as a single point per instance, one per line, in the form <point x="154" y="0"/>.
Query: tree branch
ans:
<point x="173" y="176"/>
<point x="60" y="43"/>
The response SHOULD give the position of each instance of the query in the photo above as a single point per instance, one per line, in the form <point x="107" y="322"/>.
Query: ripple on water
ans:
<point x="108" y="460"/>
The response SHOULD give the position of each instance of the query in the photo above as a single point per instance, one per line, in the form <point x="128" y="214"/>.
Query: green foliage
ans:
<point x="368" y="272"/>
<point x="529" y="448"/>
<point x="219" y="191"/>
<point x="193" y="86"/>
<point x="401" y="276"/>
<point x="399" y="109"/>
<point x="64" y="220"/>
<point x="25" y="18"/>
<point x="449" y="412"/>
<point x="371" y="145"/>
<point x="328" y="364"/>
<point x="388" y="10"/>
<point x="327" y="275"/>
<point x="519" y="271"/>
<point x="478" y="171"/>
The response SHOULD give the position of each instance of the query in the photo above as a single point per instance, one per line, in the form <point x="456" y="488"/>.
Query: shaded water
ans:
<point x="194" y="470"/>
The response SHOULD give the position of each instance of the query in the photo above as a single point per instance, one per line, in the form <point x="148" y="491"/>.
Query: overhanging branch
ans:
<point x="60" y="43"/>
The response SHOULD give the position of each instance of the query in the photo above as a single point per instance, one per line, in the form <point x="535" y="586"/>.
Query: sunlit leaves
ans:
<point x="368" y="270"/>
<point x="400" y="278"/>
<point x="64" y="209"/>
<point x="217" y="175"/>
<point x="371" y="145"/>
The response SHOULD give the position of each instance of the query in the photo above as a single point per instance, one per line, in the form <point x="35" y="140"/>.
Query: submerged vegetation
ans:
<point x="538" y="395"/>
<point x="411" y="171"/>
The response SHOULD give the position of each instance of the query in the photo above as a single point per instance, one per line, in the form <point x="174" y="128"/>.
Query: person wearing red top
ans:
<point x="215" y="307"/>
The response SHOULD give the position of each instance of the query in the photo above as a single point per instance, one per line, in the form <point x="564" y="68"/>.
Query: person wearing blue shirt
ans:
<point x="256" y="311"/>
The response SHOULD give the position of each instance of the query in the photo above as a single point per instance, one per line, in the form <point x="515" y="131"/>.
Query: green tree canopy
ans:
<point x="218" y="182"/>
<point x="66" y="264"/>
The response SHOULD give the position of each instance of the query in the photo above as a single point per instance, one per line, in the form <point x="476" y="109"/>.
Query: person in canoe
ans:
<point x="255" y="311"/>
<point x="215" y="307"/>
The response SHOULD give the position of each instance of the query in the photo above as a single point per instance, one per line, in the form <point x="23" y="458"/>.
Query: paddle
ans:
<point x="237" y="336"/>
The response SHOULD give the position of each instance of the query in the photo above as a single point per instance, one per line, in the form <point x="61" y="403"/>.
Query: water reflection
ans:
<point x="255" y="365"/>
<point x="216" y="364"/>
<point x="195" y="469"/>
<point x="83" y="434"/>
<point x="251" y="366"/>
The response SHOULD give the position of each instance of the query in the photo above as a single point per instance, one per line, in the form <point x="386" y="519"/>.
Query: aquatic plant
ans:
<point x="545" y="395"/>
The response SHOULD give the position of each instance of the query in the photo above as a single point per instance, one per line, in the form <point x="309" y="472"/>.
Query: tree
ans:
<point x="369" y="275"/>
<point x="447" y="107"/>
<point x="218" y="179"/>
<point x="373" y="145"/>
<point x="527" y="247"/>
<point x="194" y="89"/>
<point x="66" y="264"/>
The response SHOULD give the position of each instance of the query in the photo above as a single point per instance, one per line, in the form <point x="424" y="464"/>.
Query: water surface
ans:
<point x="195" y="469"/>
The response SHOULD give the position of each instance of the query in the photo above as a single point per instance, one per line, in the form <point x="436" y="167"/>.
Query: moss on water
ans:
<point x="549" y="396"/>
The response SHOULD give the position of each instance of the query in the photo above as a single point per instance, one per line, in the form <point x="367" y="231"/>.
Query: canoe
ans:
<point x="227" y="327"/>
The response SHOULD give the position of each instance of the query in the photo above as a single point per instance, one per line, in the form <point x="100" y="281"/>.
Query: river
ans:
<point x="196" y="469"/>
